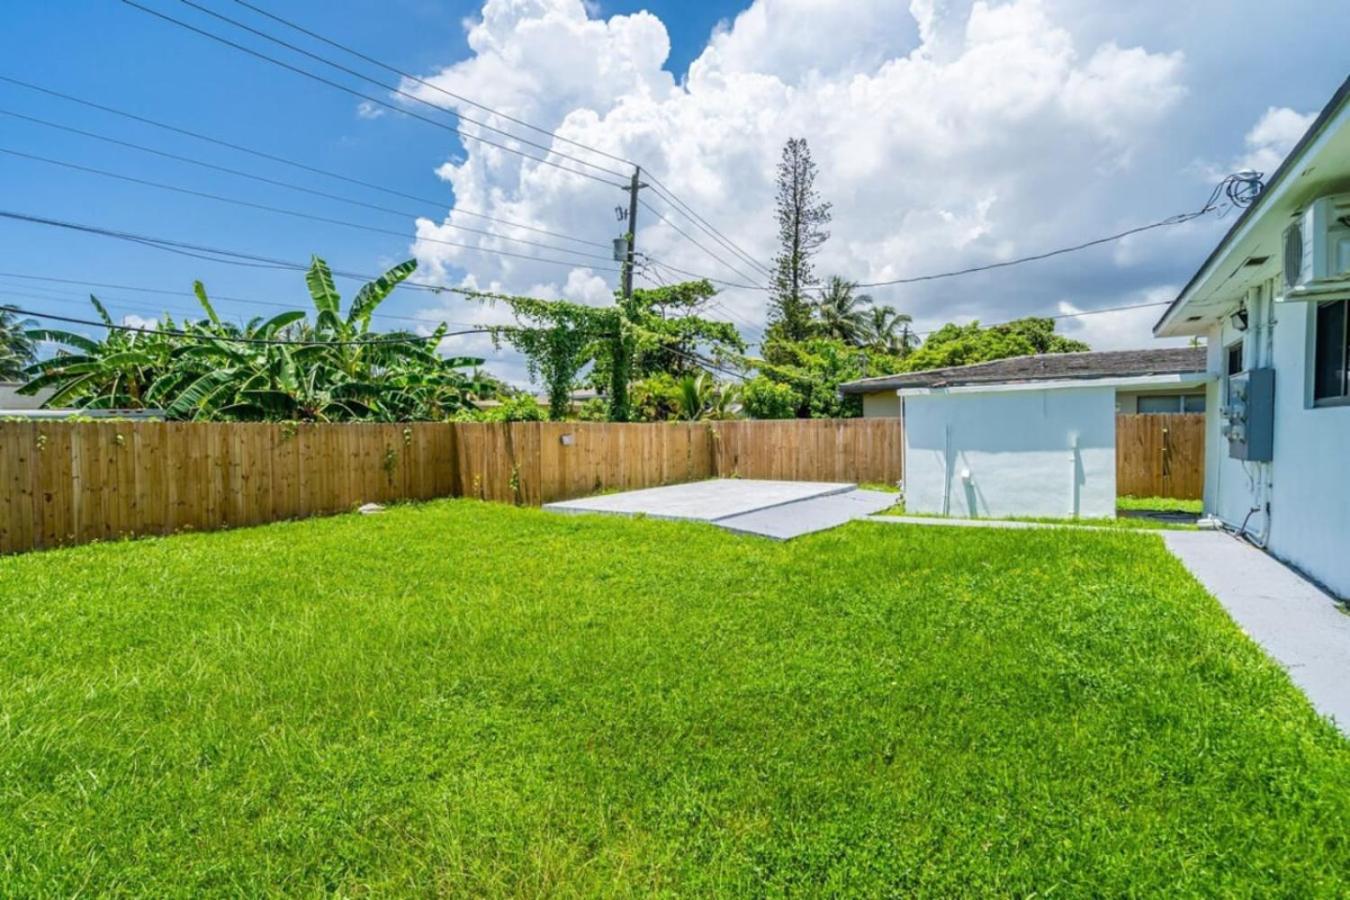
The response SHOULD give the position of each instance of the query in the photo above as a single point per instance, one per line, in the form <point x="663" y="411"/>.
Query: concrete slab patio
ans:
<point x="775" y="509"/>
<point x="702" y="501"/>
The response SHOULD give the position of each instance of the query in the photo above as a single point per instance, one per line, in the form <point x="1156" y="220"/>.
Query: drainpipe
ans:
<point x="948" y="470"/>
<point x="1073" y="473"/>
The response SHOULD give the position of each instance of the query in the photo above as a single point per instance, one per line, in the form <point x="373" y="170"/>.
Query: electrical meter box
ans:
<point x="1249" y="415"/>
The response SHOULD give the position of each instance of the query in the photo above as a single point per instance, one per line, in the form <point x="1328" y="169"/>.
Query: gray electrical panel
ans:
<point x="1249" y="415"/>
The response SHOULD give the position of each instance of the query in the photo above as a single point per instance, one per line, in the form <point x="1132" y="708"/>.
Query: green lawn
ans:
<point x="1160" y="504"/>
<point x="468" y="699"/>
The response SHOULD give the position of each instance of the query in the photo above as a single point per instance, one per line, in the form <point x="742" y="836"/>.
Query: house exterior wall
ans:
<point x="1048" y="452"/>
<point x="883" y="404"/>
<point x="1307" y="484"/>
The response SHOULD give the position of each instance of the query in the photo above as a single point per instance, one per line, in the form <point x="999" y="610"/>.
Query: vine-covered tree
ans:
<point x="802" y="217"/>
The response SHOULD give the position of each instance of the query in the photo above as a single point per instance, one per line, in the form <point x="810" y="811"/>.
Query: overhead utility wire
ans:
<point x="367" y="97"/>
<point x="704" y="224"/>
<point x="435" y="87"/>
<point x="267" y="36"/>
<point x="217" y="339"/>
<point x="680" y="231"/>
<point x="223" y="298"/>
<point x="232" y="257"/>
<point x="1241" y="188"/>
<point x="280" y="210"/>
<point x="402" y="213"/>
<point x="293" y="163"/>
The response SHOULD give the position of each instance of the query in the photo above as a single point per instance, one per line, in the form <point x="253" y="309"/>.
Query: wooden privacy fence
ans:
<point x="1161" y="455"/>
<point x="69" y="483"/>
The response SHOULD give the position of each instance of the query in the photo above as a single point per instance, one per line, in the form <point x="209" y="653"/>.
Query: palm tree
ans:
<point x="840" y="312"/>
<point x="17" y="349"/>
<point x="888" y="331"/>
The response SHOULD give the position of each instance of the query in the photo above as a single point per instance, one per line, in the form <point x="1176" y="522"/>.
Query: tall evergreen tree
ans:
<point x="802" y="217"/>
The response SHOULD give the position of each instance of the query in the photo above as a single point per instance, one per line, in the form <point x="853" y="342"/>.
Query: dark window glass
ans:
<point x="1235" y="358"/>
<point x="1195" y="403"/>
<point x="1329" y="368"/>
<point x="1159" y="403"/>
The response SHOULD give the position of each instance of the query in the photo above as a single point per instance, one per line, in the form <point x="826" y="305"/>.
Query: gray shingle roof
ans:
<point x="1044" y="367"/>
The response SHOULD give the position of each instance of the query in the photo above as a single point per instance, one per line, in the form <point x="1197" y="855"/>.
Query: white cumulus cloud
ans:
<point x="948" y="134"/>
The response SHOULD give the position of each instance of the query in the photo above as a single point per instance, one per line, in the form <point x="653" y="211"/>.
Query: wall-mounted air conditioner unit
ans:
<point x="1317" y="248"/>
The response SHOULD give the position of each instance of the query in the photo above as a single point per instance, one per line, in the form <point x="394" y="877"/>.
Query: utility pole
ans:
<point x="631" y="256"/>
<point x="622" y="362"/>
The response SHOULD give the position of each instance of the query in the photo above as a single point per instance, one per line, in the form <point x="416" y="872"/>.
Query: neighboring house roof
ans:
<point x="1092" y="365"/>
<point x="1296" y="180"/>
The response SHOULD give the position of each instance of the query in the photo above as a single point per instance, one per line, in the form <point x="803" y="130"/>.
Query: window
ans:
<point x="1331" y="381"/>
<point x="1155" y="404"/>
<point x="1234" y="358"/>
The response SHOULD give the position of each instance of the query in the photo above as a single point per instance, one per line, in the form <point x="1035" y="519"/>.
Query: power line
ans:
<point x="402" y="213"/>
<point x="234" y="257"/>
<point x="435" y="87"/>
<point x="267" y="36"/>
<point x="290" y="162"/>
<point x="732" y="284"/>
<point x="192" y="335"/>
<point x="1162" y="223"/>
<point x="224" y="298"/>
<point x="691" y="240"/>
<point x="279" y="210"/>
<point x="707" y="226"/>
<point x="368" y="98"/>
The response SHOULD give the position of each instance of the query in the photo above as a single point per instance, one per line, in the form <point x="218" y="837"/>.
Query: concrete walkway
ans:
<point x="808" y="516"/>
<point x="1297" y="624"/>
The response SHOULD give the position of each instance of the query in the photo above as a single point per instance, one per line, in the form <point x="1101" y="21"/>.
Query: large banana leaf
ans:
<point x="319" y="278"/>
<point x="200" y="290"/>
<point x="277" y="323"/>
<point x="195" y="396"/>
<point x="69" y="338"/>
<point x="373" y="293"/>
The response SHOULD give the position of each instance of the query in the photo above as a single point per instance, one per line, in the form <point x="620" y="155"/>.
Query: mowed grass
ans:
<point x="468" y="699"/>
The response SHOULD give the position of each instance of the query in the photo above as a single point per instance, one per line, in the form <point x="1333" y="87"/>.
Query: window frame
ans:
<point x="1343" y="398"/>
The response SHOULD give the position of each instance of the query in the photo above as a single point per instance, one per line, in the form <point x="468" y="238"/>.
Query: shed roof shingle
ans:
<point x="1044" y="367"/>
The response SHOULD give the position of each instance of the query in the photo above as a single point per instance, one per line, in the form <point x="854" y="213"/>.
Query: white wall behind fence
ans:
<point x="1047" y="452"/>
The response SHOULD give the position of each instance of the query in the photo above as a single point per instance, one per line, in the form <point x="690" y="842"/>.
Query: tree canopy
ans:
<point x="959" y="345"/>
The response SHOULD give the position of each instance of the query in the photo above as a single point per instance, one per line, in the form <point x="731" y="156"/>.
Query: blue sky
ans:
<point x="1109" y="115"/>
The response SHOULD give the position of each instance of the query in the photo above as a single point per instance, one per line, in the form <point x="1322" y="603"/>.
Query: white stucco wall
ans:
<point x="1019" y="448"/>
<point x="1307" y="484"/>
<point x="885" y="404"/>
<point x="10" y="398"/>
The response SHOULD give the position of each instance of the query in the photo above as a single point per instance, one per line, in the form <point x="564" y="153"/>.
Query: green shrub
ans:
<point x="762" y="398"/>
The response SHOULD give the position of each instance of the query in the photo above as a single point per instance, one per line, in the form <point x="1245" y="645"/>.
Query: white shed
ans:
<point x="1028" y="436"/>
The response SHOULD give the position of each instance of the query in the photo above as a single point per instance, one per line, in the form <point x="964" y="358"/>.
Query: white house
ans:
<point x="1273" y="299"/>
<point x="1030" y="435"/>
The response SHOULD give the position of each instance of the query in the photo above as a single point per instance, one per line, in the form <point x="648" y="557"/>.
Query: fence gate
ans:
<point x="1161" y="455"/>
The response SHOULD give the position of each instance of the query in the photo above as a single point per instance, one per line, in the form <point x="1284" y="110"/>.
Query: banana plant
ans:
<point x="288" y="367"/>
